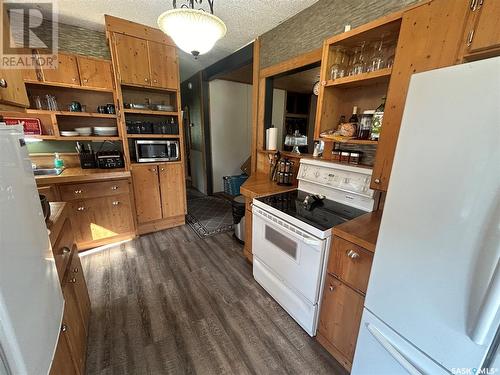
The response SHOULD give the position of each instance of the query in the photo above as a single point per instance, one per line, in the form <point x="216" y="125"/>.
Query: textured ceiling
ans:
<point x="245" y="20"/>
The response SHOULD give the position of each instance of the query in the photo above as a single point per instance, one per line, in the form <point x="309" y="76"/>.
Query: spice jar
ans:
<point x="336" y="155"/>
<point x="344" y="156"/>
<point x="355" y="157"/>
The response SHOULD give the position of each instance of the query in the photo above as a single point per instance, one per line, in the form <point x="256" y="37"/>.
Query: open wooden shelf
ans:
<point x="89" y="138"/>
<point x="150" y="112"/>
<point x="363" y="79"/>
<point x="152" y="136"/>
<point x="157" y="162"/>
<point x="43" y="136"/>
<point x="67" y="86"/>
<point x="68" y="113"/>
<point x="146" y="87"/>
<point x="350" y="141"/>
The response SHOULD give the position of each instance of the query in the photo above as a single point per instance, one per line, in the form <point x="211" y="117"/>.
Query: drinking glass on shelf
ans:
<point x="377" y="60"/>
<point x="51" y="102"/>
<point x="389" y="52"/>
<point x="359" y="64"/>
<point x="338" y="68"/>
<point x="36" y="102"/>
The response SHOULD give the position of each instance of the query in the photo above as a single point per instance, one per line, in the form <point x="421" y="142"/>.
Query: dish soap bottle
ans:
<point x="58" y="162"/>
<point x="378" y="116"/>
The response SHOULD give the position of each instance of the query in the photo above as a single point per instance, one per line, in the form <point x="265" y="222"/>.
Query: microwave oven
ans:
<point x="150" y="151"/>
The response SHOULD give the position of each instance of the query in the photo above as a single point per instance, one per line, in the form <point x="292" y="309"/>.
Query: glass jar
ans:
<point x="338" y="68"/>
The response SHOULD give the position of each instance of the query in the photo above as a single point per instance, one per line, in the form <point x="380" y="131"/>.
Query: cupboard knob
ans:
<point x="64" y="328"/>
<point x="78" y="191"/>
<point x="153" y="170"/>
<point x="162" y="169"/>
<point x="377" y="181"/>
<point x="352" y="254"/>
<point x="331" y="288"/>
<point x="145" y="79"/>
<point x="114" y="187"/>
<point x="73" y="79"/>
<point x="75" y="270"/>
<point x="81" y="208"/>
<point x="3" y="83"/>
<point x="66" y="250"/>
<point x="85" y="80"/>
<point x="72" y="280"/>
<point x="116" y="203"/>
<point x="155" y="81"/>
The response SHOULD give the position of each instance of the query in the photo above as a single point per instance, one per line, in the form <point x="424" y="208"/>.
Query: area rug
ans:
<point x="209" y="215"/>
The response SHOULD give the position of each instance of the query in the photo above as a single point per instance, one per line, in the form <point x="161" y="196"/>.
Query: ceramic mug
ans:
<point x="75" y="107"/>
<point x="102" y="109"/>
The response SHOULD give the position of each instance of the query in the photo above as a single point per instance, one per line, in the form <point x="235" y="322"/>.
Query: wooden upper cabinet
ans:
<point x="132" y="56"/>
<point x="12" y="90"/>
<point x="429" y="39"/>
<point x="95" y="73"/>
<point x="66" y="72"/>
<point x="147" y="193"/>
<point x="163" y="65"/>
<point x="485" y="33"/>
<point x="173" y="195"/>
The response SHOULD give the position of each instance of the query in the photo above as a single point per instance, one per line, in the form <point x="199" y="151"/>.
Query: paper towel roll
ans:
<point x="272" y="139"/>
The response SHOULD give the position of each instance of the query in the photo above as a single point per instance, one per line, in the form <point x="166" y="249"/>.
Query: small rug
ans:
<point x="209" y="215"/>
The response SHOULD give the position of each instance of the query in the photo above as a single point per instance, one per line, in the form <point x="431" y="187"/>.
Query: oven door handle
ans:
<point x="307" y="240"/>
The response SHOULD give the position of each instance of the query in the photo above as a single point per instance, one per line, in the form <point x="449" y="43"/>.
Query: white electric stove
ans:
<point x="292" y="230"/>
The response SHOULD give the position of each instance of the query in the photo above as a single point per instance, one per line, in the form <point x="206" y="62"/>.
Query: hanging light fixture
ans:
<point x="193" y="30"/>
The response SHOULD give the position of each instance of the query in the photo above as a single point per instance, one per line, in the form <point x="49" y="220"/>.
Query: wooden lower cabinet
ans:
<point x="76" y="277"/>
<point x="63" y="362"/>
<point x="160" y="196"/>
<point x="349" y="267"/>
<point x="247" y="250"/>
<point x="50" y="192"/>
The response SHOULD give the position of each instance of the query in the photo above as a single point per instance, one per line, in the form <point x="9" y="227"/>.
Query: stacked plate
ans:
<point x="84" y="132"/>
<point x="106" y="131"/>
<point x="69" y="133"/>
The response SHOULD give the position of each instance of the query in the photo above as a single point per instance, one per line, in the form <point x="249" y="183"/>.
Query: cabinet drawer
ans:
<point x="351" y="263"/>
<point x="93" y="190"/>
<point x="62" y="249"/>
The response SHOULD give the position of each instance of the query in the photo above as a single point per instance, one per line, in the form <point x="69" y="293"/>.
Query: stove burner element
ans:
<point x="312" y="201"/>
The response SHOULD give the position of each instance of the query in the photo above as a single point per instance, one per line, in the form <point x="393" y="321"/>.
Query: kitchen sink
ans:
<point x="47" y="171"/>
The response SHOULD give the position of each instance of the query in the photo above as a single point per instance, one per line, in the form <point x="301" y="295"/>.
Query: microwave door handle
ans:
<point x="393" y="351"/>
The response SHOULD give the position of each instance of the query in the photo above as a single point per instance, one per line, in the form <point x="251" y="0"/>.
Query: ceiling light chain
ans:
<point x="191" y="4"/>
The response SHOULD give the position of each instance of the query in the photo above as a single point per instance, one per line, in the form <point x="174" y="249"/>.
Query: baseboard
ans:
<point x="155" y="226"/>
<point x="81" y="246"/>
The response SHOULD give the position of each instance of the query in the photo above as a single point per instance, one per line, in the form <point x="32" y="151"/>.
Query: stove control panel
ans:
<point x="337" y="176"/>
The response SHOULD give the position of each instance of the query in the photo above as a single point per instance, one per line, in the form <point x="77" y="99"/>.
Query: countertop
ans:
<point x="83" y="175"/>
<point x="58" y="212"/>
<point x="362" y="231"/>
<point x="258" y="185"/>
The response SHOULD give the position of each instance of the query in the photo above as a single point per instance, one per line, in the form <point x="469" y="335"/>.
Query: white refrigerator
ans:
<point x="432" y="305"/>
<point x="31" y="301"/>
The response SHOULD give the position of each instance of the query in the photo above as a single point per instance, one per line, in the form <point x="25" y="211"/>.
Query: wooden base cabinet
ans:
<point x="349" y="267"/>
<point x="247" y="250"/>
<point x="160" y="196"/>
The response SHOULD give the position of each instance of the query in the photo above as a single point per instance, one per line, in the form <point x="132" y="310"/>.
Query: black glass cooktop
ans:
<point x="322" y="214"/>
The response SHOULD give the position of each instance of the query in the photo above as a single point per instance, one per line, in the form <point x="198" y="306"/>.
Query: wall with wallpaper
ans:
<point x="306" y="30"/>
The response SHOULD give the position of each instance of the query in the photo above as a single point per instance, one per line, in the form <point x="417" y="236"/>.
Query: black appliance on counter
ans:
<point x="109" y="159"/>
<point x="147" y="127"/>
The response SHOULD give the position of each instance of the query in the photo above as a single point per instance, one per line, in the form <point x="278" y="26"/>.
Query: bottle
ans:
<point x="378" y="117"/>
<point x="354" y="116"/>
<point x="58" y="162"/>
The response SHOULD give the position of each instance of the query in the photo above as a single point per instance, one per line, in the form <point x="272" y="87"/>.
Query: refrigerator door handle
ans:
<point x="393" y="351"/>
<point x="488" y="310"/>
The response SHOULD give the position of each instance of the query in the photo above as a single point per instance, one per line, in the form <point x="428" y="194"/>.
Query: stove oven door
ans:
<point x="293" y="256"/>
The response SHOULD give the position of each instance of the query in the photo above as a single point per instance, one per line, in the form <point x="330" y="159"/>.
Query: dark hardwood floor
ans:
<point x="171" y="303"/>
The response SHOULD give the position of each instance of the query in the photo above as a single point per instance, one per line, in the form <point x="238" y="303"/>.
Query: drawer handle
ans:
<point x="72" y="280"/>
<point x="64" y="328"/>
<point x="377" y="181"/>
<point x="352" y="254"/>
<point x="114" y="187"/>
<point x="78" y="191"/>
<point x="66" y="250"/>
<point x="331" y="288"/>
<point x="153" y="170"/>
<point x="116" y="203"/>
<point x="81" y="208"/>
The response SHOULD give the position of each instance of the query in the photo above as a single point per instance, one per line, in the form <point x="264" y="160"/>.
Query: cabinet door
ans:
<point x="76" y="277"/>
<point x="132" y="56"/>
<point x="340" y="315"/>
<point x="163" y="65"/>
<point x="73" y="325"/>
<point x="147" y="193"/>
<point x="95" y="73"/>
<point x="66" y="72"/>
<point x="12" y="89"/>
<point x="429" y="39"/>
<point x="248" y="235"/>
<point x="50" y="191"/>
<point x="82" y="221"/>
<point x="117" y="214"/>
<point x="63" y="363"/>
<point x="486" y="29"/>
<point x="173" y="193"/>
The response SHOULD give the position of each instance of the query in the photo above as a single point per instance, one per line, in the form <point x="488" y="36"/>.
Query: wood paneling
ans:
<point x="66" y="72"/>
<point x="173" y="195"/>
<point x="163" y="65"/>
<point x="350" y="263"/>
<point x="340" y="316"/>
<point x="147" y="193"/>
<point x="95" y="72"/>
<point x="255" y="102"/>
<point x="132" y="55"/>
<point x="429" y="39"/>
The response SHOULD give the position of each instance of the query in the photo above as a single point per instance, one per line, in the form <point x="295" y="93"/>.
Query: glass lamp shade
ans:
<point x="193" y="31"/>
